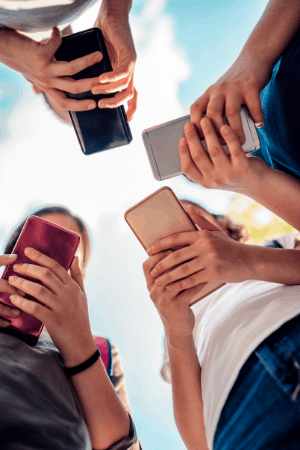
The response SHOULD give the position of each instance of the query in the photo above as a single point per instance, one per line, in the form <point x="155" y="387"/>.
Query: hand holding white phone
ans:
<point x="161" y="144"/>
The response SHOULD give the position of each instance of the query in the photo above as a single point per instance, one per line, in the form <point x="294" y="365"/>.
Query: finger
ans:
<point x="7" y="259"/>
<point x="132" y="106"/>
<point x="214" y="148"/>
<point x="173" y="241"/>
<point x="117" y="100"/>
<point x="199" y="220"/>
<point x="188" y="282"/>
<point x="188" y="166"/>
<point x="4" y="323"/>
<point x="31" y="307"/>
<point x="215" y="111"/>
<point x="197" y="111"/>
<point x="253" y="102"/>
<point x="233" y="115"/>
<point x="180" y="272"/>
<point x="36" y="290"/>
<point x="236" y="150"/>
<point x="124" y="71"/>
<point x="43" y="274"/>
<point x="188" y="295"/>
<point x="69" y="68"/>
<point x="76" y="273"/>
<point x="175" y="258"/>
<point x="51" y="45"/>
<point x="70" y="104"/>
<point x="152" y="261"/>
<point x="49" y="263"/>
<point x="74" y="86"/>
<point x="110" y="88"/>
<point x="198" y="154"/>
<point x="8" y="311"/>
<point x="6" y="288"/>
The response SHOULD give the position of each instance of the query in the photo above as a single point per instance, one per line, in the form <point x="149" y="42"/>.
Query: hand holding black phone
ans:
<point x="100" y="128"/>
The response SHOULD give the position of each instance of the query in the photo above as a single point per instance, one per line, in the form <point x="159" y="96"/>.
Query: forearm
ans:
<point x="274" y="265"/>
<point x="275" y="190"/>
<point x="106" y="417"/>
<point x="186" y="390"/>
<point x="276" y="28"/>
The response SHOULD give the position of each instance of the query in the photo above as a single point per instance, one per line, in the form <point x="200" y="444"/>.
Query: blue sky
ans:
<point x="182" y="47"/>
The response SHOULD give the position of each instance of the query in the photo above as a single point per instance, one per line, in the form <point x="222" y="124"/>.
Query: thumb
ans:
<point x="53" y="43"/>
<point x="76" y="273"/>
<point x="200" y="222"/>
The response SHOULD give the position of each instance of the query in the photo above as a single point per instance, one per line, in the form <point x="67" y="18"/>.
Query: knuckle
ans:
<point x="46" y="274"/>
<point x="39" y="290"/>
<point x="177" y="255"/>
<point x="214" y="151"/>
<point x="185" y="269"/>
<point x="232" y="111"/>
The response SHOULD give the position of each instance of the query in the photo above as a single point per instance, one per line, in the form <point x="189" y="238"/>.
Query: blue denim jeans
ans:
<point x="262" y="411"/>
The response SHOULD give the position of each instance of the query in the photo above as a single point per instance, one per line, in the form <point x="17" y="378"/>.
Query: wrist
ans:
<point x="115" y="8"/>
<point x="77" y="354"/>
<point x="179" y="342"/>
<point x="255" y="177"/>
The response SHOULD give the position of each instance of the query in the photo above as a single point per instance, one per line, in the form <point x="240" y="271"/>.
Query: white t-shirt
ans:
<point x="230" y="324"/>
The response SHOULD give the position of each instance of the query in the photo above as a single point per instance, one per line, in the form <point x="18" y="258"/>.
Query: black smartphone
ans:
<point x="98" y="129"/>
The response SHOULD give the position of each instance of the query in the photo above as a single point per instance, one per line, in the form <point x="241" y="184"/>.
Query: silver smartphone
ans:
<point x="161" y="143"/>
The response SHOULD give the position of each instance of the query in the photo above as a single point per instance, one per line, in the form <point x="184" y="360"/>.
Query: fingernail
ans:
<point x="153" y="273"/>
<point x="16" y="266"/>
<point x="188" y="126"/>
<point x="12" y="278"/>
<point x="98" y="57"/>
<point x="15" y="312"/>
<point x="11" y="256"/>
<point x="149" y="251"/>
<point x="29" y="251"/>
<point x="101" y="105"/>
<point x="14" y="298"/>
<point x="259" y="124"/>
<point x="91" y="106"/>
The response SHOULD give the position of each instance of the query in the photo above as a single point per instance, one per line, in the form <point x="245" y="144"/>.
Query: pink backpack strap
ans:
<point x="104" y="346"/>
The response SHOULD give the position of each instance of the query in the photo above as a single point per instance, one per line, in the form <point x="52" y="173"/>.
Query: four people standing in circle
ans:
<point x="233" y="359"/>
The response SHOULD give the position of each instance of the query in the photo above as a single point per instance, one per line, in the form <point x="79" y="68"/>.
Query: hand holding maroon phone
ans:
<point x="52" y="240"/>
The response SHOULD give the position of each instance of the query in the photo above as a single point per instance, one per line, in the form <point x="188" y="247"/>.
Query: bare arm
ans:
<point x="251" y="71"/>
<point x="186" y="391"/>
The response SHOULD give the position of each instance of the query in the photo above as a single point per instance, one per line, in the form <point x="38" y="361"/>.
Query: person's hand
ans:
<point x="208" y="255"/>
<point x="117" y="35"/>
<point x="6" y="288"/>
<point x="214" y="169"/>
<point x="173" y="307"/>
<point x="37" y="63"/>
<point x="241" y="84"/>
<point x="62" y="306"/>
<point x="237" y="231"/>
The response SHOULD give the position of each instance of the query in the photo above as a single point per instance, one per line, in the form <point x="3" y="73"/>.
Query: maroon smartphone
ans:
<point x="52" y="240"/>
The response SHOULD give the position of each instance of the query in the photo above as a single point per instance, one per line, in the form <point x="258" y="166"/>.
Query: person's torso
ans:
<point x="230" y="324"/>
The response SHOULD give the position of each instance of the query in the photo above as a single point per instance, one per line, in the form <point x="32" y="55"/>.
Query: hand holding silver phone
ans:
<point x="161" y="144"/>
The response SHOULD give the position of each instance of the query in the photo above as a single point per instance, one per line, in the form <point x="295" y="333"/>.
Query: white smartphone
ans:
<point x="161" y="144"/>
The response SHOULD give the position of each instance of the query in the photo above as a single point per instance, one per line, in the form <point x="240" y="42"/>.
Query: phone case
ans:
<point x="52" y="240"/>
<point x="160" y="215"/>
<point x="161" y="144"/>
<point x="98" y="129"/>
